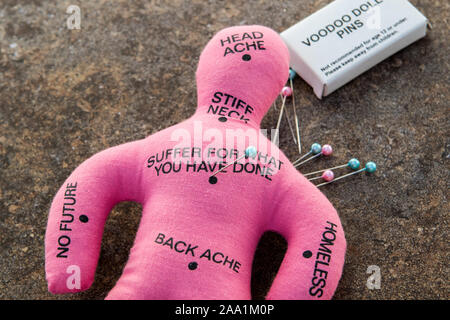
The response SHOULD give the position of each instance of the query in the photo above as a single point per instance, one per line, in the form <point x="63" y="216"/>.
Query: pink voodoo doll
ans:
<point x="210" y="187"/>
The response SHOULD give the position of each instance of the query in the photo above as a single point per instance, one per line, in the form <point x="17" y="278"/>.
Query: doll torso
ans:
<point x="197" y="239"/>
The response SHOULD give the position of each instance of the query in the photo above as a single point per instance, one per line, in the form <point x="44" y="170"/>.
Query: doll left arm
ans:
<point x="314" y="260"/>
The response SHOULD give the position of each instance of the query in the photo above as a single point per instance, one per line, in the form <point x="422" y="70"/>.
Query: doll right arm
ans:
<point x="314" y="260"/>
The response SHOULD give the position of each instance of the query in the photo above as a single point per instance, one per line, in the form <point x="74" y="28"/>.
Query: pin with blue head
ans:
<point x="292" y="74"/>
<point x="326" y="150"/>
<point x="370" y="167"/>
<point x="353" y="164"/>
<point x="315" y="149"/>
<point x="250" y="152"/>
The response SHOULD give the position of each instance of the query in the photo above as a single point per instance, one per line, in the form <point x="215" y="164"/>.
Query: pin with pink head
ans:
<point x="327" y="175"/>
<point x="286" y="92"/>
<point x="327" y="150"/>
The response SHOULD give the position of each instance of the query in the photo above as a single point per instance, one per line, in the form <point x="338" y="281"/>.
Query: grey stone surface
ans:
<point x="130" y="72"/>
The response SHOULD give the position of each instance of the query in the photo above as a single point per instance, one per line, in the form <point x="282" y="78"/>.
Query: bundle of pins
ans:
<point x="326" y="175"/>
<point x="316" y="151"/>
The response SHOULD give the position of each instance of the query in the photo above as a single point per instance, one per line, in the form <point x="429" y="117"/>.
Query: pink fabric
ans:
<point x="196" y="239"/>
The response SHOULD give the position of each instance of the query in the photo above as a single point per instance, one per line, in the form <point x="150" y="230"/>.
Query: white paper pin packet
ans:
<point x="348" y="37"/>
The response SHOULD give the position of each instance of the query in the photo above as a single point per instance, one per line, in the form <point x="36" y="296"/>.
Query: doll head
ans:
<point x="242" y="70"/>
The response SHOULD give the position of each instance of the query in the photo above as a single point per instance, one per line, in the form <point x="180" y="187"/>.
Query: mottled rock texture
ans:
<point x="130" y="72"/>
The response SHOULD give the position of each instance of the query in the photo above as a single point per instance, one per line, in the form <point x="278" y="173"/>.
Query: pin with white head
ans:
<point x="370" y="167"/>
<point x="250" y="152"/>
<point x="315" y="149"/>
<point x="326" y="151"/>
<point x="353" y="164"/>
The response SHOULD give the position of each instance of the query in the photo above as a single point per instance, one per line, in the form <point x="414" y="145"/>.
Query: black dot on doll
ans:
<point x="192" y="265"/>
<point x="223" y="119"/>
<point x="307" y="254"/>
<point x="84" y="218"/>
<point x="212" y="180"/>
<point x="246" y="57"/>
